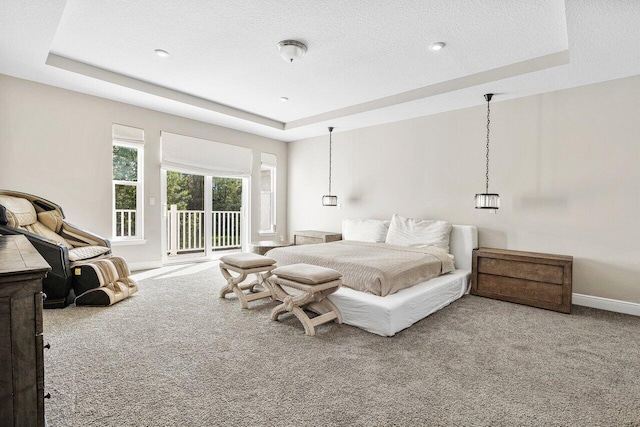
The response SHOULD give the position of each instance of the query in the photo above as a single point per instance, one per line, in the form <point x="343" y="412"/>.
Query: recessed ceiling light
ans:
<point x="162" y="53"/>
<point x="437" y="46"/>
<point x="284" y="99"/>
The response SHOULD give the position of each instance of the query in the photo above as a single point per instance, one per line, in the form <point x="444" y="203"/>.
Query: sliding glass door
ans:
<point x="204" y="214"/>
<point x="186" y="214"/>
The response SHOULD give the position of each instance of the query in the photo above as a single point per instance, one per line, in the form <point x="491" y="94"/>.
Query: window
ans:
<point x="128" y="153"/>
<point x="268" y="193"/>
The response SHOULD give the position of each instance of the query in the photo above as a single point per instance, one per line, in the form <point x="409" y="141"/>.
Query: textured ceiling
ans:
<point x="368" y="62"/>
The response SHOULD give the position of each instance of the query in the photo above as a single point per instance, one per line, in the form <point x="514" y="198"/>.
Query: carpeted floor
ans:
<point x="176" y="355"/>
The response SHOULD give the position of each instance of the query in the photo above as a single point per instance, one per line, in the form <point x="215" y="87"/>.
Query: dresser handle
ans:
<point x="47" y="346"/>
<point x="47" y="396"/>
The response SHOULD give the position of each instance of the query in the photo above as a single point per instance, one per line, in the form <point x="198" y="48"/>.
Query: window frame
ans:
<point x="273" y="225"/>
<point x="139" y="184"/>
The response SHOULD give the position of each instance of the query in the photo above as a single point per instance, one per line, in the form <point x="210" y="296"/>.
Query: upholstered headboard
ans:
<point x="463" y="240"/>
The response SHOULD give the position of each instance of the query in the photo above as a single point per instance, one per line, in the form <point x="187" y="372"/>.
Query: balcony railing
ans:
<point x="125" y="225"/>
<point x="186" y="230"/>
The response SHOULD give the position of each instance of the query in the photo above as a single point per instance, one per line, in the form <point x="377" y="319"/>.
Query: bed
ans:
<point x="401" y="305"/>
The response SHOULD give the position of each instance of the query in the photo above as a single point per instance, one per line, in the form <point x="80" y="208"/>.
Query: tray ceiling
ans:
<point x="368" y="62"/>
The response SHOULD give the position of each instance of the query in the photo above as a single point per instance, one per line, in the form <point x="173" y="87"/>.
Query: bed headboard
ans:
<point x="463" y="240"/>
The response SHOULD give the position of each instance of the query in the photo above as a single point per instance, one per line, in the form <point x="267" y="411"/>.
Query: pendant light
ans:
<point x="487" y="200"/>
<point x="329" y="200"/>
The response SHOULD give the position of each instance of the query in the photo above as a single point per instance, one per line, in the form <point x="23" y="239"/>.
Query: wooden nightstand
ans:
<point x="263" y="246"/>
<point x="308" y="237"/>
<point x="539" y="280"/>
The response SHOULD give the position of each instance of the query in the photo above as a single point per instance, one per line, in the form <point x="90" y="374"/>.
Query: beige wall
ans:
<point x="566" y="164"/>
<point x="57" y="144"/>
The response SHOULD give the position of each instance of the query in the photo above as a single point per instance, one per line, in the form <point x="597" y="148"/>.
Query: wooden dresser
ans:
<point x="21" y="360"/>
<point x="539" y="280"/>
<point x="307" y="237"/>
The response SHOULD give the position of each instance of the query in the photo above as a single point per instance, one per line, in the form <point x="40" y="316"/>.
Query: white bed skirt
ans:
<point x="388" y="315"/>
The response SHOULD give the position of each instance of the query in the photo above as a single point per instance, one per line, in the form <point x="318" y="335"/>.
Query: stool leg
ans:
<point x="322" y="305"/>
<point x="277" y="311"/>
<point x="331" y="307"/>
<point x="263" y="280"/>
<point x="241" y="296"/>
<point x="293" y="305"/>
<point x="309" y="329"/>
<point x="279" y="293"/>
<point x="232" y="286"/>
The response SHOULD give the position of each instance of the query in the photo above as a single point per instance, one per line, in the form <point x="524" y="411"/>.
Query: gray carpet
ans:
<point x="176" y="355"/>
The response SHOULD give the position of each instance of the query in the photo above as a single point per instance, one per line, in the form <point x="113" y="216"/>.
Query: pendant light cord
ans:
<point x="330" y="132"/>
<point x="488" y="122"/>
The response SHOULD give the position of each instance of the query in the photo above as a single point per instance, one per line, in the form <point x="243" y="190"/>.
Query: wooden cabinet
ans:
<point x="264" y="246"/>
<point x="21" y="345"/>
<point x="308" y="237"/>
<point x="539" y="280"/>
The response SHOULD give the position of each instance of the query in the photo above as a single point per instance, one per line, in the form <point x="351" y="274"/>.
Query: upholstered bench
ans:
<point x="314" y="284"/>
<point x="245" y="264"/>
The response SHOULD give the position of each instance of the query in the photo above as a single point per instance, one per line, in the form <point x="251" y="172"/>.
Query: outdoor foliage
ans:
<point x="187" y="192"/>
<point x="184" y="190"/>
<point x="125" y="163"/>
<point x="125" y="197"/>
<point x="125" y="168"/>
<point x="227" y="194"/>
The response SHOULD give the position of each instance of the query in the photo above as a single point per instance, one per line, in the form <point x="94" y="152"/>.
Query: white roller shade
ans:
<point x="195" y="155"/>
<point x="268" y="159"/>
<point x="127" y="133"/>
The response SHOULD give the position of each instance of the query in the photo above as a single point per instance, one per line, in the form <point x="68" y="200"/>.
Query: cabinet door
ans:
<point x="6" y="379"/>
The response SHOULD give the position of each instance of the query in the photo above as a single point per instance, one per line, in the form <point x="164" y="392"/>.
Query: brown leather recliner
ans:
<point x="81" y="262"/>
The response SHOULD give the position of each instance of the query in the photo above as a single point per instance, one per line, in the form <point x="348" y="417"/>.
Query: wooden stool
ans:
<point x="245" y="264"/>
<point x="315" y="283"/>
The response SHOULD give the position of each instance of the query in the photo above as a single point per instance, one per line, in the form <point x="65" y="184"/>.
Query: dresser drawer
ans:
<point x="306" y="240"/>
<point x="523" y="290"/>
<point x="522" y="270"/>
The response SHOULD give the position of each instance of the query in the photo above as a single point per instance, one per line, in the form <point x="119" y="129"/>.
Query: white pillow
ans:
<point x="417" y="232"/>
<point x="365" y="230"/>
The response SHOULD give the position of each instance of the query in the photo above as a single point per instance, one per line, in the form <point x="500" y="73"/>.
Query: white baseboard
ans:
<point x="606" y="304"/>
<point x="137" y="266"/>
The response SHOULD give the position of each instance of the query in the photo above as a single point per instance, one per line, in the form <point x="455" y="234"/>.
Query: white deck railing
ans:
<point x="186" y="230"/>
<point x="125" y="225"/>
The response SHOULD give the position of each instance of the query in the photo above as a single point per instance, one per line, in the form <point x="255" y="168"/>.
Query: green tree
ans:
<point x="227" y="194"/>
<point x="125" y="197"/>
<point x="125" y="163"/>
<point x="125" y="168"/>
<point x="187" y="192"/>
<point x="177" y="192"/>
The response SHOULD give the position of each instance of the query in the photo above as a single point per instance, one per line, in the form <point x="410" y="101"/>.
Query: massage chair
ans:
<point x="83" y="270"/>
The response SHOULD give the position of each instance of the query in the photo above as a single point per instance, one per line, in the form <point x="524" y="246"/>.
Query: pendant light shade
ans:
<point x="328" y="199"/>
<point x="487" y="200"/>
